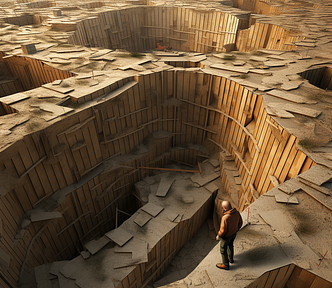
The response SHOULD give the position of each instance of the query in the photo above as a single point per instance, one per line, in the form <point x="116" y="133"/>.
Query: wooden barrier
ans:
<point x="65" y="156"/>
<point x="139" y="29"/>
<point x="269" y="36"/>
<point x="289" y="276"/>
<point x="32" y="73"/>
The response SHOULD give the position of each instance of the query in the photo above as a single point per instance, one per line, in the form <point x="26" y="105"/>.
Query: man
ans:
<point x="231" y="222"/>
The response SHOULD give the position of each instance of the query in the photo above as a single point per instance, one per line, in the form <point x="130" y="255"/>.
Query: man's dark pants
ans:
<point x="227" y="249"/>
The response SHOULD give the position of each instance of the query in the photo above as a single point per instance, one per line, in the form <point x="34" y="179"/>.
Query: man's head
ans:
<point x="226" y="206"/>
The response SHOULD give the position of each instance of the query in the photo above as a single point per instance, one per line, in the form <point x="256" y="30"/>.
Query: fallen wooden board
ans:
<point x="253" y="85"/>
<point x="276" y="57"/>
<point x="272" y="52"/>
<point x="302" y="110"/>
<point x="260" y="72"/>
<point x="321" y="189"/>
<point x="211" y="187"/>
<point x="282" y="198"/>
<point x="119" y="236"/>
<point x="95" y="245"/>
<point x="206" y="179"/>
<point x="277" y="111"/>
<point x="197" y="59"/>
<point x="14" y="98"/>
<point x="142" y="218"/>
<point x="291" y="85"/>
<point x="170" y="215"/>
<point x="164" y="185"/>
<point x="152" y="209"/>
<point x="258" y="59"/>
<point x="58" y="88"/>
<point x="274" y="63"/>
<point x="214" y="162"/>
<point x="131" y="246"/>
<point x="318" y="196"/>
<point x="41" y="216"/>
<point x="317" y="174"/>
<point x="290" y="186"/>
<point x="230" y="68"/>
<point x="305" y="44"/>
<point x="290" y="97"/>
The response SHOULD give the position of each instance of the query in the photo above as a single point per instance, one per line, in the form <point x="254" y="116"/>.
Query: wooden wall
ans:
<point x="289" y="276"/>
<point x="10" y="86"/>
<point x="234" y="117"/>
<point x="269" y="36"/>
<point x="320" y="77"/>
<point x="166" y="249"/>
<point x="194" y="107"/>
<point x="20" y="20"/>
<point x="141" y="28"/>
<point x="33" y="73"/>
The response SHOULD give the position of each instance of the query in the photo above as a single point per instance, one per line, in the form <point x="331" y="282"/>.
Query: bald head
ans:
<point x="226" y="206"/>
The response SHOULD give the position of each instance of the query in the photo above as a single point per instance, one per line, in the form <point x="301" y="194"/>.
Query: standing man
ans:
<point x="231" y="222"/>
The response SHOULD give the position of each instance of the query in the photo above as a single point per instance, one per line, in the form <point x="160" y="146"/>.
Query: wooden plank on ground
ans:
<point x="58" y="88"/>
<point x="152" y="209"/>
<point x="290" y="97"/>
<point x="318" y="174"/>
<point x="236" y="69"/>
<point x="119" y="236"/>
<point x="206" y="179"/>
<point x="282" y="198"/>
<point x="321" y="189"/>
<point x="11" y="99"/>
<point x="165" y="184"/>
<point x="95" y="245"/>
<point x="142" y="218"/>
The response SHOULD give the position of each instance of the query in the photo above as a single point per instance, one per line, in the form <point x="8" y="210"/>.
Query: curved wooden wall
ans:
<point x="33" y="73"/>
<point x="141" y="28"/>
<point x="65" y="156"/>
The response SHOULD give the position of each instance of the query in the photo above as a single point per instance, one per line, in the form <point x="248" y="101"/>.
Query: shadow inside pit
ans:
<point x="188" y="257"/>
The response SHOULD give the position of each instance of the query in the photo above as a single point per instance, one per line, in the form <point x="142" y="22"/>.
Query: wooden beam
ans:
<point x="230" y="117"/>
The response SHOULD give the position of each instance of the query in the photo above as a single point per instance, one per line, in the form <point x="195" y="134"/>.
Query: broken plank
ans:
<point x="165" y="184"/>
<point x="317" y="174"/>
<point x="152" y="209"/>
<point x="8" y="100"/>
<point x="290" y="97"/>
<point x="142" y="218"/>
<point x="119" y="236"/>
<point x="41" y="216"/>
<point x="95" y="245"/>
<point x="282" y="198"/>
<point x="230" y="68"/>
<point x="204" y="180"/>
<point x="321" y="189"/>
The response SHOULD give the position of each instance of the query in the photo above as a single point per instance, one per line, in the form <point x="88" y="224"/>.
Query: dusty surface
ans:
<point x="302" y="236"/>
